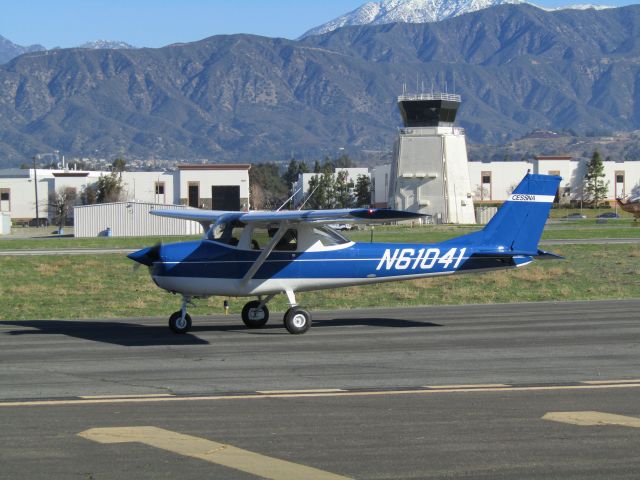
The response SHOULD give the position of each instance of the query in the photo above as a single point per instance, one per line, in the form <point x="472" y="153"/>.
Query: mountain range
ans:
<point x="418" y="11"/>
<point x="10" y="50"/>
<point x="249" y="98"/>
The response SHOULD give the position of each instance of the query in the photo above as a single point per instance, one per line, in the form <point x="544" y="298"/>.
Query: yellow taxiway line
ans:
<point x="428" y="390"/>
<point x="213" y="452"/>
<point x="591" y="419"/>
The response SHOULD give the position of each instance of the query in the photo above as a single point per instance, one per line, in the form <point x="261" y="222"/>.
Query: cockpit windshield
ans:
<point x="328" y="236"/>
<point x="227" y="233"/>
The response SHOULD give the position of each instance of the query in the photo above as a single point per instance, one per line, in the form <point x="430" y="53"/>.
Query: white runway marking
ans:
<point x="321" y="393"/>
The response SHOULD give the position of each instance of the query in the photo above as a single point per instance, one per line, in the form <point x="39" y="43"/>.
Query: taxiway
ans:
<point x="538" y="390"/>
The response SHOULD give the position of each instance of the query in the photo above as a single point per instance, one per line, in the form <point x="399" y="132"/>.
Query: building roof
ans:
<point x="14" y="173"/>
<point x="70" y="174"/>
<point x="553" y="157"/>
<point x="215" y="166"/>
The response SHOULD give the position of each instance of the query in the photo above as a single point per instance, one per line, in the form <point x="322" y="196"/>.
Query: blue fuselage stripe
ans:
<point x="206" y="259"/>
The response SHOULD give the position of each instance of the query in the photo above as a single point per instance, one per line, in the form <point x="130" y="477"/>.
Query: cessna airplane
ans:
<point x="263" y="254"/>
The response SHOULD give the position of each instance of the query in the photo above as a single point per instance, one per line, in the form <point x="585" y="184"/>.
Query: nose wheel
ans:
<point x="180" y="321"/>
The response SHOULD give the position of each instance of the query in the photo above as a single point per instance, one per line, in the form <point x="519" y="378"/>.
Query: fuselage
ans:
<point x="205" y="268"/>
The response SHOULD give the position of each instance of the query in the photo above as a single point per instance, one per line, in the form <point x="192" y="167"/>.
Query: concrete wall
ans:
<point x="505" y="176"/>
<point x="141" y="187"/>
<point x="380" y="182"/>
<point x="22" y="197"/>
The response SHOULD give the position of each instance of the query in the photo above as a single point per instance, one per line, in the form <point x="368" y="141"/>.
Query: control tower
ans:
<point x="429" y="173"/>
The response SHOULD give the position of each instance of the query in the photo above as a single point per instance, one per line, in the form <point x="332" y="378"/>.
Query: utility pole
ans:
<point x="35" y="184"/>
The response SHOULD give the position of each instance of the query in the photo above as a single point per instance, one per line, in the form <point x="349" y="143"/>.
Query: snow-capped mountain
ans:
<point x="106" y="45"/>
<point x="415" y="11"/>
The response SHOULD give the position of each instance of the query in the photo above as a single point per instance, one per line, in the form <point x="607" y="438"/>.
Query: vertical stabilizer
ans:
<point x="519" y="223"/>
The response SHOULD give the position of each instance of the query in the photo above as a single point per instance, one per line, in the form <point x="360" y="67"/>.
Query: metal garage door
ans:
<point x="225" y="197"/>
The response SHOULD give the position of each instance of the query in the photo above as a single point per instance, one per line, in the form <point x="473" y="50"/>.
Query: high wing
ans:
<point x="345" y="215"/>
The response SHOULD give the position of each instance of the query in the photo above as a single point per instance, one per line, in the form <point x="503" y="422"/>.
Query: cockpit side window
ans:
<point x="289" y="241"/>
<point x="261" y="236"/>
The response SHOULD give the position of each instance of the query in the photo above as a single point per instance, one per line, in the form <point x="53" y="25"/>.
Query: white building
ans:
<point x="218" y="186"/>
<point x="494" y="181"/>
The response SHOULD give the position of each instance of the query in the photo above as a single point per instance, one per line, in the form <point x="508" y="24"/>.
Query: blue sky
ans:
<point x="154" y="23"/>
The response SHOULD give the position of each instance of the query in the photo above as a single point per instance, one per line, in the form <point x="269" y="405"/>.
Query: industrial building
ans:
<point x="24" y="194"/>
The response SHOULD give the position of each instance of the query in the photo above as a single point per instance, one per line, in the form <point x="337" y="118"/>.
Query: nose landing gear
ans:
<point x="180" y="321"/>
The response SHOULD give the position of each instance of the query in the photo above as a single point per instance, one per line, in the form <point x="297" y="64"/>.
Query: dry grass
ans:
<point x="106" y="286"/>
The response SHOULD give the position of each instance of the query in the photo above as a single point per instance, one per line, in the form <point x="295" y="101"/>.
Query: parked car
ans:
<point x="575" y="216"/>
<point x="609" y="215"/>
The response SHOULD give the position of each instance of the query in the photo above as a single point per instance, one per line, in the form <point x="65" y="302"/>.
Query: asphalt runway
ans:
<point x="539" y="390"/>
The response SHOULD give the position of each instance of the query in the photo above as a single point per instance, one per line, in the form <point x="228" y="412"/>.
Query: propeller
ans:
<point x="146" y="256"/>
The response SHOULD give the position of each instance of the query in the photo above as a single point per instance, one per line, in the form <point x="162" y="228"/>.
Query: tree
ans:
<point x="89" y="195"/>
<point x="343" y="161"/>
<point x="268" y="187"/>
<point x="108" y="188"/>
<point x="595" y="189"/>
<point x="320" y="192"/>
<point x="342" y="188"/>
<point x="61" y="203"/>
<point x="317" y="167"/>
<point x="291" y="175"/>
<point x="363" y="191"/>
<point x="119" y="165"/>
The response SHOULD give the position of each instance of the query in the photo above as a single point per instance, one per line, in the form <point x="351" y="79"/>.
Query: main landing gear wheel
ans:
<point x="255" y="316"/>
<point x="297" y="320"/>
<point x="178" y="324"/>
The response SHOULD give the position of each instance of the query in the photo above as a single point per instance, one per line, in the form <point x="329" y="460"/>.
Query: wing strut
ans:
<point x="265" y="253"/>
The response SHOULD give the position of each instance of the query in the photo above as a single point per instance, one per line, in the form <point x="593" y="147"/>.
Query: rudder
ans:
<point x="519" y="222"/>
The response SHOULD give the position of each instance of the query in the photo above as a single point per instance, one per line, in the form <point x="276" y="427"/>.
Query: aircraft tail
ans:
<point x="518" y="225"/>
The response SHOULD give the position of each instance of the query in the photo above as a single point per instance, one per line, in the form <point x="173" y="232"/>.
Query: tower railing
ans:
<point x="452" y="97"/>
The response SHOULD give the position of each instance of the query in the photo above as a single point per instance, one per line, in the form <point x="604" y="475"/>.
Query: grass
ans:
<point x="104" y="286"/>
<point x="622" y="228"/>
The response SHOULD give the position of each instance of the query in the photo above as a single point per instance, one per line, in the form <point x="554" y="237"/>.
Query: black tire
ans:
<point x="177" y="325"/>
<point x="297" y="321"/>
<point x="251" y="317"/>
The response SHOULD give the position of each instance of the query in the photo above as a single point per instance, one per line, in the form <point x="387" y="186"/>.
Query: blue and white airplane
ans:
<point x="264" y="254"/>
